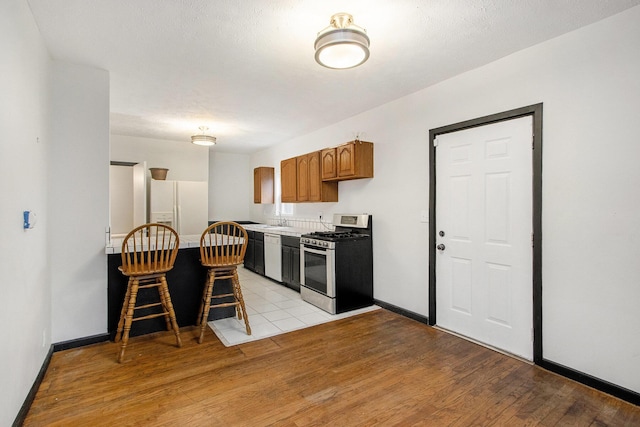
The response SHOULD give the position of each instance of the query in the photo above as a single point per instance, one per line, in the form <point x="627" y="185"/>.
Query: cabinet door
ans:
<point x="346" y="159"/>
<point x="288" y="180"/>
<point x="286" y="264"/>
<point x="303" y="178"/>
<point x="256" y="186"/>
<point x="315" y="179"/>
<point x="249" y="254"/>
<point x="263" y="185"/>
<point x="319" y="190"/>
<point x="259" y="257"/>
<point x="329" y="164"/>
<point x="355" y="160"/>
<point x="295" y="267"/>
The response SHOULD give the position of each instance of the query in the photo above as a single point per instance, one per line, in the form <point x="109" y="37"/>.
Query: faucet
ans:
<point x="282" y="222"/>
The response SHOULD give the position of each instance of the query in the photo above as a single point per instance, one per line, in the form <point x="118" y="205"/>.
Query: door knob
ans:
<point x="440" y="247"/>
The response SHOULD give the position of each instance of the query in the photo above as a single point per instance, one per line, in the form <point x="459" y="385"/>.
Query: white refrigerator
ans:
<point x="183" y="205"/>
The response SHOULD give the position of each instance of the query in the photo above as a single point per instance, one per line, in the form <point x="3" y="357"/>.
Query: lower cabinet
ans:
<point x="291" y="262"/>
<point x="249" y="254"/>
<point x="290" y="247"/>
<point x="254" y="257"/>
<point x="258" y="255"/>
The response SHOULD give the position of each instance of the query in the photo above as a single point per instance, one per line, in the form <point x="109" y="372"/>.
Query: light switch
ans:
<point x="424" y="216"/>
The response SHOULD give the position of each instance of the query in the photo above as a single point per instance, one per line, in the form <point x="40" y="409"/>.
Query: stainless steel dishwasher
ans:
<point x="272" y="257"/>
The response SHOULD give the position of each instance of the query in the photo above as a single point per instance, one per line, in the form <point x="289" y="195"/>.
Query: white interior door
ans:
<point x="484" y="274"/>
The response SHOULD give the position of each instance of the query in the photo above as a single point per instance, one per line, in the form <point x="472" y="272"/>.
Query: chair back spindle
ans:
<point x="223" y="244"/>
<point x="149" y="248"/>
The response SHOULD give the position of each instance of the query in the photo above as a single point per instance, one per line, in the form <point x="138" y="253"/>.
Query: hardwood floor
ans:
<point x="376" y="368"/>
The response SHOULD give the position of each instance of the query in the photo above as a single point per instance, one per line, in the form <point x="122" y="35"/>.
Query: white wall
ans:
<point x="121" y="199"/>
<point x="230" y="186"/>
<point x="588" y="81"/>
<point x="79" y="200"/>
<point x="25" y="289"/>
<point x="185" y="161"/>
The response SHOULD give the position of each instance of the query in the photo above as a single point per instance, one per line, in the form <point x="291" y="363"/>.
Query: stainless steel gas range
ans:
<point x="337" y="266"/>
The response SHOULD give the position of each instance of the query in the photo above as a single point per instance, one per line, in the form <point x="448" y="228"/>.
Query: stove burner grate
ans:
<point x="334" y="235"/>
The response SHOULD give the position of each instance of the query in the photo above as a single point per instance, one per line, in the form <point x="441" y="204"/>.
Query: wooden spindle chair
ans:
<point x="148" y="253"/>
<point x="222" y="248"/>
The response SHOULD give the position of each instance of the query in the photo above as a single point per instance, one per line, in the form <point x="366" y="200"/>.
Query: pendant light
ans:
<point x="202" y="139"/>
<point x="342" y="44"/>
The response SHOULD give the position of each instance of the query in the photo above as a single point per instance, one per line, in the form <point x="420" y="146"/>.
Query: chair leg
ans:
<point x="165" y="307"/>
<point x="205" y="288"/>
<point x="128" y="318"/>
<point x="172" y="313"/>
<point x="123" y="312"/>
<point x="206" y="304"/>
<point x="238" y="293"/>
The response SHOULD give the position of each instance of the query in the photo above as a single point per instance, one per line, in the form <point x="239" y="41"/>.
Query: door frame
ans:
<point x="535" y="111"/>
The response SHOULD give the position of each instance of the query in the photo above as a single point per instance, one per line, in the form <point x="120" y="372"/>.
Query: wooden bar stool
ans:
<point x="222" y="249"/>
<point x="148" y="253"/>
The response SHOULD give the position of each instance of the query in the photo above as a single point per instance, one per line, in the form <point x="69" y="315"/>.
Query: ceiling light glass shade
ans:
<point x="342" y="45"/>
<point x="203" y="139"/>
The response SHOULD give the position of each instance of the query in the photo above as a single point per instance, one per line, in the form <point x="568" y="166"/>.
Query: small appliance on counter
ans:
<point x="337" y="266"/>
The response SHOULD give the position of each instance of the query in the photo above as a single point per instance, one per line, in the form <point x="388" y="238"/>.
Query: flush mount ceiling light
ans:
<point x="203" y="139"/>
<point x="342" y="44"/>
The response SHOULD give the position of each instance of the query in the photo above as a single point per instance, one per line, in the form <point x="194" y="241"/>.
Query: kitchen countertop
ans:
<point x="277" y="229"/>
<point x="186" y="241"/>
<point x="114" y="246"/>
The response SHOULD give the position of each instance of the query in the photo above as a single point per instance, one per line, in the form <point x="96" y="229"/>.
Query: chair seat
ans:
<point x="220" y="266"/>
<point x="138" y="273"/>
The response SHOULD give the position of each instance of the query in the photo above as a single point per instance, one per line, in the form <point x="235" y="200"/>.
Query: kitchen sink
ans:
<point x="271" y="227"/>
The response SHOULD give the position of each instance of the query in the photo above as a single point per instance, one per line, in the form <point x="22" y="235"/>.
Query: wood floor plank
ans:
<point x="377" y="368"/>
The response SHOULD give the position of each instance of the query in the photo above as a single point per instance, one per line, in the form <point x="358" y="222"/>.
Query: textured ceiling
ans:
<point x="246" y="68"/>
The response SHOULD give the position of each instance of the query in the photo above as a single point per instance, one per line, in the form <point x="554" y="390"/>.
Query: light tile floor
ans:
<point x="273" y="309"/>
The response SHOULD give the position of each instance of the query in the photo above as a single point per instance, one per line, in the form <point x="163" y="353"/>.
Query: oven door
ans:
<point x="318" y="269"/>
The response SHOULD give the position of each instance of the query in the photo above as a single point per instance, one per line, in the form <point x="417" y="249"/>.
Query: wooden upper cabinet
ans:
<point x="352" y="160"/>
<point x="319" y="191"/>
<point x="329" y="163"/>
<point x="303" y="178"/>
<point x="263" y="185"/>
<point x="288" y="180"/>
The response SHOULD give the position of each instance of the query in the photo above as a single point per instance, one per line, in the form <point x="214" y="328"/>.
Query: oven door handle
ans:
<point x="315" y="251"/>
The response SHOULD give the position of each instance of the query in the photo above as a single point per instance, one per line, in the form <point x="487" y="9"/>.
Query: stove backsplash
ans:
<point x="301" y="223"/>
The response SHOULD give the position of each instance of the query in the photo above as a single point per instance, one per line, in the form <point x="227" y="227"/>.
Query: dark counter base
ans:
<point x="186" y="283"/>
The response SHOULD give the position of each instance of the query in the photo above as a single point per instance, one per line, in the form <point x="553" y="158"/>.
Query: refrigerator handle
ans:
<point x="178" y="211"/>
